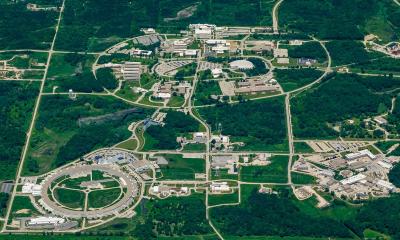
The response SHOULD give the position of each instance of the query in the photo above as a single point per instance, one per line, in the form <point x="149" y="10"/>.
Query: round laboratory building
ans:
<point x="241" y="65"/>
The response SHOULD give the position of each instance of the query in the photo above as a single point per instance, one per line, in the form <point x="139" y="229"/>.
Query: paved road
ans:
<point x="29" y="133"/>
<point x="275" y="20"/>
<point x="290" y="135"/>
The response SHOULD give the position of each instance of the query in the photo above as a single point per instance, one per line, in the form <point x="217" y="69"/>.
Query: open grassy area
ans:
<point x="217" y="199"/>
<point x="58" y="134"/>
<point x="204" y="91"/>
<point x="222" y="174"/>
<point x="66" y="71"/>
<point x="194" y="147"/>
<point x="102" y="198"/>
<point x="291" y="79"/>
<point x="299" y="178"/>
<point x="70" y="198"/>
<point x="180" y="168"/>
<point x="130" y="144"/>
<point x="75" y="182"/>
<point x="302" y="147"/>
<point x="276" y="172"/>
<point x="23" y="207"/>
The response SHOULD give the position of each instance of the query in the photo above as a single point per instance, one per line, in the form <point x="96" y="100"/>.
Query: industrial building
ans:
<point x="131" y="71"/>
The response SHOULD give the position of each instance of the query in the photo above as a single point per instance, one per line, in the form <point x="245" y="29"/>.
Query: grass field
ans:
<point x="130" y="144"/>
<point x="57" y="135"/>
<point x="70" y="198"/>
<point x="276" y="172"/>
<point x="23" y="207"/>
<point x="194" y="147"/>
<point x="75" y="182"/>
<point x="223" y="174"/>
<point x="299" y="178"/>
<point x="180" y="168"/>
<point x="102" y="198"/>
<point x="217" y="199"/>
<point x="302" y="147"/>
<point x="61" y="69"/>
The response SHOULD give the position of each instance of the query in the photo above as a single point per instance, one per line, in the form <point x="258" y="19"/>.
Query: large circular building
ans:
<point x="126" y="182"/>
<point x="241" y="65"/>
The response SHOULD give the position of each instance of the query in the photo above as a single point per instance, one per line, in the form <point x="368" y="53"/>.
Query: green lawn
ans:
<point x="131" y="144"/>
<point x="302" y="147"/>
<point x="194" y="147"/>
<point x="75" y="182"/>
<point x="70" y="198"/>
<point x="223" y="174"/>
<point x="24" y="205"/>
<point x="299" y="178"/>
<point x="276" y="172"/>
<point x="102" y="198"/>
<point x="180" y="168"/>
<point x="217" y="199"/>
<point x="62" y="69"/>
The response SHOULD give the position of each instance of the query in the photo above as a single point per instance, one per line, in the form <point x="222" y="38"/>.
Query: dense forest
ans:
<point x="349" y="52"/>
<point x="381" y="215"/>
<point x="343" y="19"/>
<point x="338" y="99"/>
<point x="173" y="217"/>
<point x="273" y="215"/>
<point x="311" y="50"/>
<point x="3" y="202"/>
<point x="176" y="124"/>
<point x="23" y="29"/>
<point x="97" y="24"/>
<point x="16" y="105"/>
<point x="258" y="124"/>
<point x="394" y="175"/>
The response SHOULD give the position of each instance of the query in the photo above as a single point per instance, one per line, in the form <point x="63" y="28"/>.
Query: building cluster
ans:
<point x="166" y="90"/>
<point x="335" y="146"/>
<point x="169" y="68"/>
<point x="164" y="191"/>
<point x="179" y="47"/>
<point x="127" y="182"/>
<point x="111" y="156"/>
<point x="253" y="86"/>
<point x="220" y="187"/>
<point x="357" y="176"/>
<point x="215" y="47"/>
<point x="227" y="162"/>
<point x="391" y="49"/>
<point x="36" y="8"/>
<point x="32" y="188"/>
<point x="47" y="222"/>
<point x="196" y="138"/>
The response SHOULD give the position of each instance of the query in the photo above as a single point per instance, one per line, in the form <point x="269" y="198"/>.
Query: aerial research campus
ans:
<point x="200" y="119"/>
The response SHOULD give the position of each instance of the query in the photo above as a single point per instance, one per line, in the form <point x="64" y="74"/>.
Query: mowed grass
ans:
<point x="180" y="168"/>
<point x="102" y="198"/>
<point x="217" y="199"/>
<point x="299" y="178"/>
<point x="302" y="147"/>
<point x="70" y="198"/>
<point x="276" y="172"/>
<point x="130" y="144"/>
<point x="23" y="207"/>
